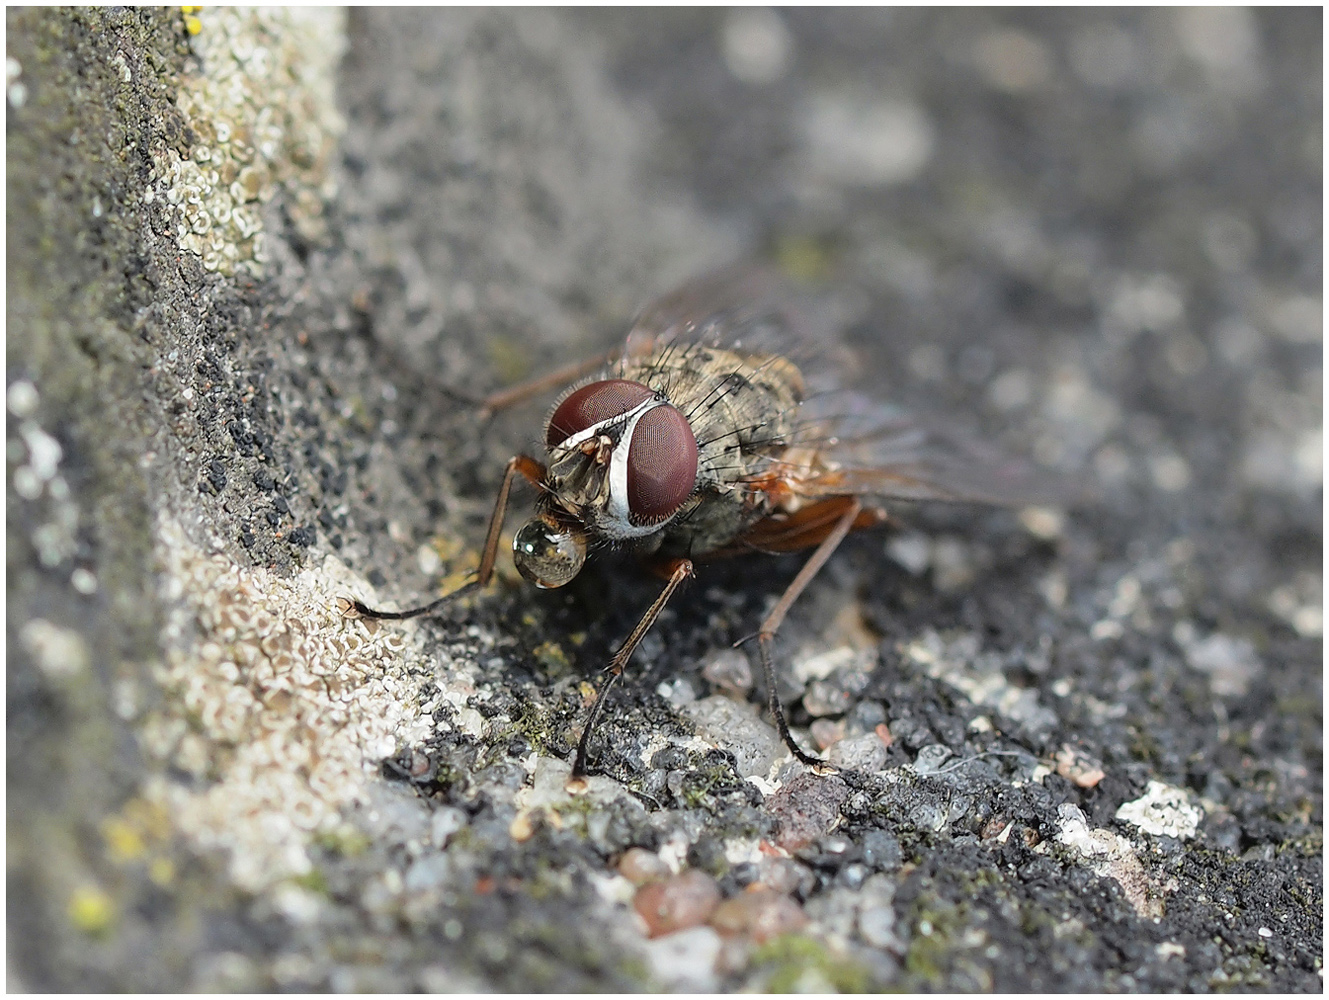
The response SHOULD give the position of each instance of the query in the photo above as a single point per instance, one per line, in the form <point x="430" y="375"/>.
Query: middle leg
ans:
<point x="679" y="570"/>
<point x="766" y="634"/>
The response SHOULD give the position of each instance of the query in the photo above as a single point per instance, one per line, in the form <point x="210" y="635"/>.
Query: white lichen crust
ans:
<point x="263" y="112"/>
<point x="278" y="708"/>
<point x="1163" y="811"/>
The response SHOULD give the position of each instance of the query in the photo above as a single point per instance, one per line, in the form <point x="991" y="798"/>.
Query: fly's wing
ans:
<point x="849" y="444"/>
<point x="846" y="443"/>
<point x="742" y="308"/>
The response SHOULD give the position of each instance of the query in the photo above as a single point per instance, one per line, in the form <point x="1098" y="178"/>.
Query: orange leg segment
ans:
<point x="524" y="465"/>
<point x="808" y="526"/>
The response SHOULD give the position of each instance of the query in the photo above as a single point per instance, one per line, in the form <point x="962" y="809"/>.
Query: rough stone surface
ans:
<point x="1088" y="237"/>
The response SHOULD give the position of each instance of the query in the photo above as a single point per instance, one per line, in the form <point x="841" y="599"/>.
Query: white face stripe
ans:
<point x="620" y="517"/>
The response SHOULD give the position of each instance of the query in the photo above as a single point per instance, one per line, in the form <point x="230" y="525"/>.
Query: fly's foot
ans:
<point x="814" y="764"/>
<point x="349" y="607"/>
<point x="577" y="785"/>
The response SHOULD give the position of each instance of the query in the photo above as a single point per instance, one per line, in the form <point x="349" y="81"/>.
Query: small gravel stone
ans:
<point x="785" y="875"/>
<point x="806" y="808"/>
<point x="640" y="866"/>
<point x="826" y="698"/>
<point x="759" y="913"/>
<point x="826" y="732"/>
<point x="932" y="758"/>
<point x="729" y="670"/>
<point x="736" y="727"/>
<point x="859" y="753"/>
<point x="876" y="925"/>
<point x="1077" y="766"/>
<point x="864" y="717"/>
<point x="686" y="960"/>
<point x="880" y="850"/>
<point x="685" y="900"/>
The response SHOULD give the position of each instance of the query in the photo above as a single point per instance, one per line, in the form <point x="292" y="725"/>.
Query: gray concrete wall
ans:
<point x="260" y="264"/>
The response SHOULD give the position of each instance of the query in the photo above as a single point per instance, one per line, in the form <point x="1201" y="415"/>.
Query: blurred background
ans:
<point x="258" y="261"/>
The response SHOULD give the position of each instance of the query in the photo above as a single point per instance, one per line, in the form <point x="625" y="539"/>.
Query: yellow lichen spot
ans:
<point x="149" y="818"/>
<point x="90" y="910"/>
<point x="455" y="580"/>
<point x="511" y="358"/>
<point x="552" y="657"/>
<point x="460" y="563"/>
<point x="123" y="842"/>
<point x="192" y="24"/>
<point x="803" y="257"/>
<point x="162" y="871"/>
<point x="449" y="547"/>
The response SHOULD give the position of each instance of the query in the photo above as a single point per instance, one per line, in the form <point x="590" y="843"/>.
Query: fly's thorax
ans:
<point x="622" y="458"/>
<point x="742" y="408"/>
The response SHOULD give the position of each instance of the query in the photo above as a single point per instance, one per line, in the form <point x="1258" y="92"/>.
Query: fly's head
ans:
<point x="622" y="463"/>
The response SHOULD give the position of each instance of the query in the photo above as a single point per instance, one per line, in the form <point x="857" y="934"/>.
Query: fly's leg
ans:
<point x="766" y="634"/>
<point x="807" y="527"/>
<point x="679" y="570"/>
<point x="523" y="391"/>
<point x="528" y="467"/>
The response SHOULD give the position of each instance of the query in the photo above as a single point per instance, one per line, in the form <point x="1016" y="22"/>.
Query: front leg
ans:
<point x="679" y="570"/>
<point x="528" y="467"/>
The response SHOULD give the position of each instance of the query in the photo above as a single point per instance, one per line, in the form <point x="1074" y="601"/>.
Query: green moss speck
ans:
<point x="346" y="842"/>
<point x="313" y="880"/>
<point x="799" y="962"/>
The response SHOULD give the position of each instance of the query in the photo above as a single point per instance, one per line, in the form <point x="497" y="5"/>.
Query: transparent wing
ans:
<point x="845" y="442"/>
<point x="848" y="443"/>
<point x="742" y="308"/>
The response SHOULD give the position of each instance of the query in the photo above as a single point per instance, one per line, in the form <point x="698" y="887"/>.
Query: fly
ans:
<point x="703" y="438"/>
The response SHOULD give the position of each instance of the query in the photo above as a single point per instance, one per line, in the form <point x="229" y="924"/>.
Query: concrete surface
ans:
<point x="258" y="264"/>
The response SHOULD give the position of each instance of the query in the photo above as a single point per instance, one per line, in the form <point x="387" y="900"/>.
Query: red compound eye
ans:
<point x="593" y="403"/>
<point x="662" y="465"/>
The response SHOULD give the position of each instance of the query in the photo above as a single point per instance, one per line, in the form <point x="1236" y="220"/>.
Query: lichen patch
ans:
<point x="277" y="708"/>
<point x="1109" y="855"/>
<point x="1163" y="811"/>
<point x="262" y="109"/>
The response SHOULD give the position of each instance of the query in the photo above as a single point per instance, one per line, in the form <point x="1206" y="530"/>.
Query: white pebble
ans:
<point x="22" y="398"/>
<point x="60" y="652"/>
<point x="757" y="45"/>
<point x="877" y="142"/>
<point x="686" y="959"/>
